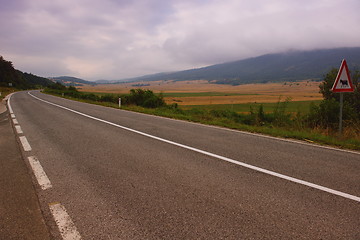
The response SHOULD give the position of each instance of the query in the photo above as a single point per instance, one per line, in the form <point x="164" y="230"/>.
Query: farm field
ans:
<point x="291" y="107"/>
<point x="186" y="93"/>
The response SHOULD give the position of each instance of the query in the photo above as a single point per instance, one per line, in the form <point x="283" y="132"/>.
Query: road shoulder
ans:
<point x="21" y="217"/>
<point x="2" y="106"/>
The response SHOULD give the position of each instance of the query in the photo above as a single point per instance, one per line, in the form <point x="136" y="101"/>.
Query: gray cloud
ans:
<point x="117" y="39"/>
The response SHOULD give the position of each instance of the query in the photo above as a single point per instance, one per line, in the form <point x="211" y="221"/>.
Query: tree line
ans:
<point x="11" y="77"/>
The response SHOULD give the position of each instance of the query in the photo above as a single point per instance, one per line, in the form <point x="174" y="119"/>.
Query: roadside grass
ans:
<point x="315" y="136"/>
<point x="184" y="94"/>
<point x="5" y="91"/>
<point x="205" y="115"/>
<point x="202" y="94"/>
<point x="292" y="107"/>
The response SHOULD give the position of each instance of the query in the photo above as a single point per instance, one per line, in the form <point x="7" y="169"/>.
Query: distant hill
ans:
<point x="104" y="81"/>
<point x="288" y="66"/>
<point x="71" y="81"/>
<point x="9" y="76"/>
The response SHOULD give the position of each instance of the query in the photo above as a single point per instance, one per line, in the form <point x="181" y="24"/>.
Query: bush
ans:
<point x="109" y="98"/>
<point x="144" y="98"/>
<point x="326" y="114"/>
<point x="280" y="116"/>
<point x="57" y="86"/>
<point x="90" y="96"/>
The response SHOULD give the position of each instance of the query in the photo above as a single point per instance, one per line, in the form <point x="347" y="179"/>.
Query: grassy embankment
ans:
<point x="5" y="91"/>
<point x="287" y="119"/>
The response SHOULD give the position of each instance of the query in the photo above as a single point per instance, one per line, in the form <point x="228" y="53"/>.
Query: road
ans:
<point x="114" y="174"/>
<point x="20" y="213"/>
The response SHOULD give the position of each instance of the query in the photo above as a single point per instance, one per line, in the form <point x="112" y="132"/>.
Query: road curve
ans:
<point x="133" y="182"/>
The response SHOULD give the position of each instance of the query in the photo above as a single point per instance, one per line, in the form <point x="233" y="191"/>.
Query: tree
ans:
<point x="327" y="112"/>
<point x="327" y="83"/>
<point x="351" y="98"/>
<point x="144" y="98"/>
<point x="18" y="79"/>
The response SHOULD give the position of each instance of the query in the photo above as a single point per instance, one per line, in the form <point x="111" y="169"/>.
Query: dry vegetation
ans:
<point x="249" y="93"/>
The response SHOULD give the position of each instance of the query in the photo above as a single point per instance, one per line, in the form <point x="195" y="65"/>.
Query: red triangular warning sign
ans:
<point x="343" y="81"/>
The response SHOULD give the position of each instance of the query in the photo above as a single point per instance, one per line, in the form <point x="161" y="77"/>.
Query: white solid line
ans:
<point x="251" y="133"/>
<point x="18" y="129"/>
<point x="66" y="226"/>
<point x="262" y="170"/>
<point x="15" y="121"/>
<point x="39" y="173"/>
<point x="9" y="105"/>
<point x="25" y="144"/>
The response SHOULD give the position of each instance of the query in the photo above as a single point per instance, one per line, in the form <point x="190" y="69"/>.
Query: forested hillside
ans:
<point x="72" y="81"/>
<point x="9" y="76"/>
<point x="288" y="66"/>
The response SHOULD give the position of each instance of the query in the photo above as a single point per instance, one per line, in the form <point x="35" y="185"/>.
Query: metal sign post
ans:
<point x="342" y="84"/>
<point x="341" y="112"/>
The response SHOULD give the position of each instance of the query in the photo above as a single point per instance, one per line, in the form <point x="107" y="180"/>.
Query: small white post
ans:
<point x="119" y="102"/>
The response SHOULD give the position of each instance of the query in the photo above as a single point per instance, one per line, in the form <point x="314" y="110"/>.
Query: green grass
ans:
<point x="304" y="134"/>
<point x="292" y="107"/>
<point x="202" y="114"/>
<point x="202" y="94"/>
<point x="5" y="91"/>
<point x="100" y="93"/>
<point x="187" y="94"/>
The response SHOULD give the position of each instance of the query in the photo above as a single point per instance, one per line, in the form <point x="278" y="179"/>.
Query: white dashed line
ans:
<point x="18" y="129"/>
<point x="262" y="170"/>
<point x="39" y="173"/>
<point x="66" y="226"/>
<point x="25" y="143"/>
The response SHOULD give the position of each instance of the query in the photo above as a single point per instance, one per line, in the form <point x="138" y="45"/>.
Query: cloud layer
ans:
<point x="115" y="39"/>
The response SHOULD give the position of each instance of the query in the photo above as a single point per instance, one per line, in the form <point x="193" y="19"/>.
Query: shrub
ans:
<point x="280" y="116"/>
<point x="326" y="114"/>
<point x="90" y="96"/>
<point x="144" y="98"/>
<point x="109" y="98"/>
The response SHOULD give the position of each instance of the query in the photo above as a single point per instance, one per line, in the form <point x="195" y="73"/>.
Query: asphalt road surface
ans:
<point x="20" y="213"/>
<point x="105" y="173"/>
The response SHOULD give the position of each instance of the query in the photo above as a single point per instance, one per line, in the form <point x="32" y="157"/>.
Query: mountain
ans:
<point x="9" y="76"/>
<point x="71" y="81"/>
<point x="279" y="67"/>
<point x="104" y="81"/>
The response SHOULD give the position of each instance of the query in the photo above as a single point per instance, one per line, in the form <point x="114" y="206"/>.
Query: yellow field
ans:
<point x="269" y="92"/>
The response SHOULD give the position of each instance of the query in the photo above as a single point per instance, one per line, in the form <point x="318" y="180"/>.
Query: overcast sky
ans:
<point x="115" y="39"/>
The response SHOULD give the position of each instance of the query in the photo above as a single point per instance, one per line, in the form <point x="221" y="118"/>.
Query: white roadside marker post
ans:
<point x="119" y="102"/>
